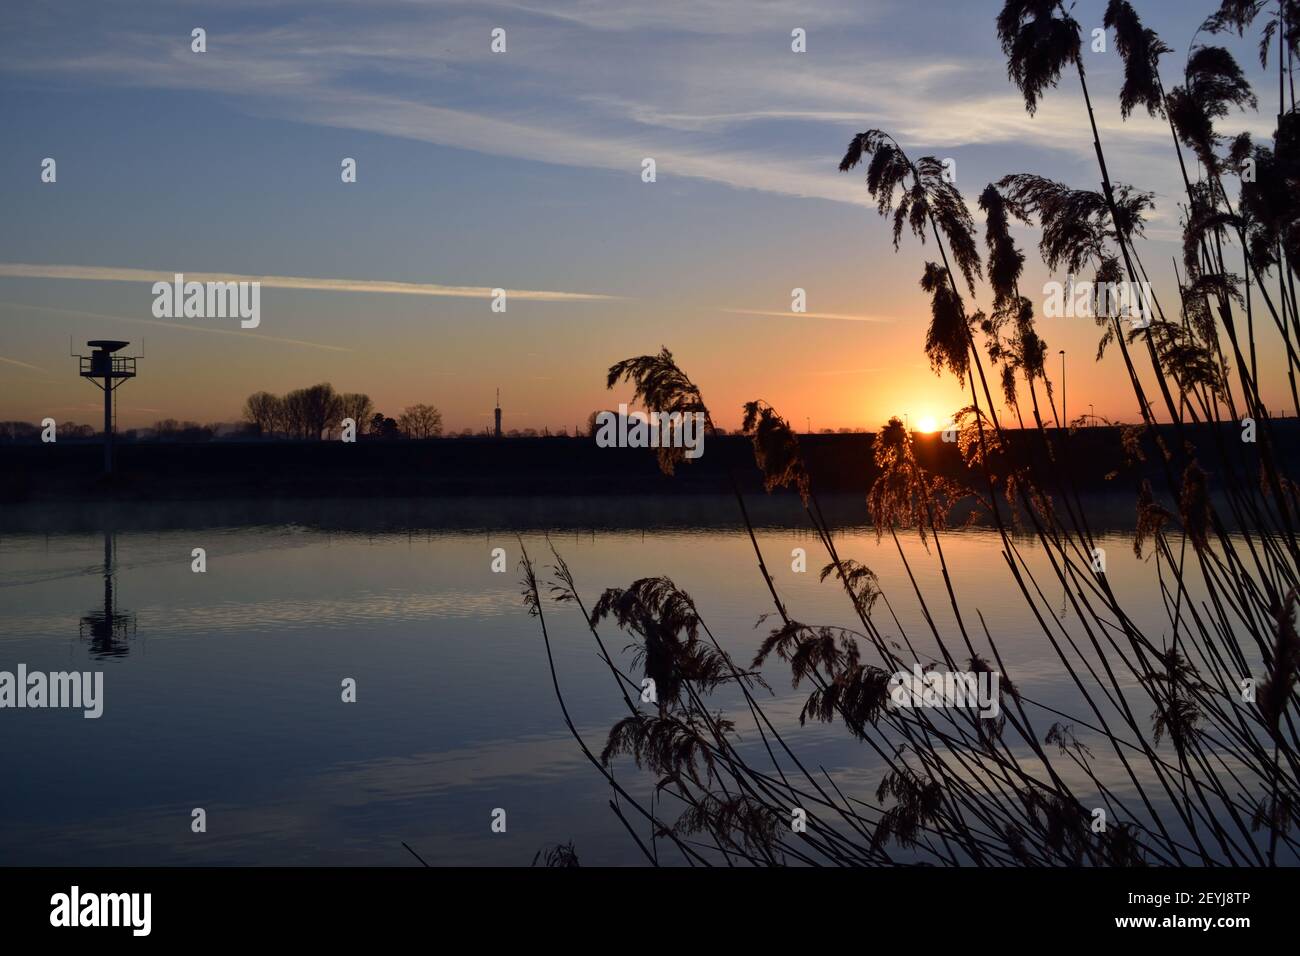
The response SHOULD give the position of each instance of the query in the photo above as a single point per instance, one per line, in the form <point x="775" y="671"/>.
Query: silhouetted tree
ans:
<point x="322" y="409"/>
<point x="310" y="411"/>
<point x="382" y="426"/>
<point x="73" y="430"/>
<point x="18" y="431"/>
<point x="261" y="410"/>
<point x="356" y="406"/>
<point x="421" y="421"/>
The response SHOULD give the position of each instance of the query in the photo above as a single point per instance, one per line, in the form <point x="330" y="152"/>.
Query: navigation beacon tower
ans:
<point x="114" y="370"/>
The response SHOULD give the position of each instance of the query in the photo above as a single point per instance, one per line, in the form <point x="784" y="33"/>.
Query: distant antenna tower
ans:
<point x="496" y="433"/>
<point x="114" y="370"/>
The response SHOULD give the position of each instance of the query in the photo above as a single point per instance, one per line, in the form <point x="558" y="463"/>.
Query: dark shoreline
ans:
<point x="501" y="514"/>
<point x="150" y="472"/>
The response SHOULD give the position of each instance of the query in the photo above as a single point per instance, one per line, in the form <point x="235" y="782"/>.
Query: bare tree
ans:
<point x="356" y="406"/>
<point x="322" y="409"/>
<point x="295" y="413"/>
<point x="421" y="421"/>
<point x="19" y="431"/>
<point x="73" y="430"/>
<point x="261" y="410"/>
<point x="279" y="421"/>
<point x="308" y="412"/>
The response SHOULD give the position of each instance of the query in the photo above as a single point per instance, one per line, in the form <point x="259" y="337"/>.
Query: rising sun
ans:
<point x="926" y="423"/>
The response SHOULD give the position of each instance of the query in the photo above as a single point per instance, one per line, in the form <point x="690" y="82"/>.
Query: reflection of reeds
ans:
<point x="559" y="856"/>
<point x="1199" y="771"/>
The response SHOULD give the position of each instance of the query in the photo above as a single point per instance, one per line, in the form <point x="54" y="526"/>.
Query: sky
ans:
<point x="522" y="170"/>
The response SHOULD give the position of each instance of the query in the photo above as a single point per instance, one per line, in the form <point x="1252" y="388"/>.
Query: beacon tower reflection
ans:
<point x="108" y="630"/>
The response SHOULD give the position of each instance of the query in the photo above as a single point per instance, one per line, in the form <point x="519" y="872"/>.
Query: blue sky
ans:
<point x="521" y="170"/>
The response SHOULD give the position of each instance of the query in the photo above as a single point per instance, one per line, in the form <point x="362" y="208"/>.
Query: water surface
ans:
<point x="222" y="689"/>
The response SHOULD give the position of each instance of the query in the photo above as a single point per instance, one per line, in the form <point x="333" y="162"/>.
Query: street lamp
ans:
<point x="1065" y="419"/>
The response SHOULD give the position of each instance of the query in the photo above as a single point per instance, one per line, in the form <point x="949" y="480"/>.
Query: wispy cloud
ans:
<point x="848" y="371"/>
<point x="689" y="84"/>
<point x="9" y="361"/>
<point x="698" y="16"/>
<point x="811" y="315"/>
<point x="24" y="270"/>
<point x="562" y="145"/>
<point x="682" y="85"/>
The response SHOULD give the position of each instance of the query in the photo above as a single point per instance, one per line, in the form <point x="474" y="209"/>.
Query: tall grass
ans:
<point x="1185" y="738"/>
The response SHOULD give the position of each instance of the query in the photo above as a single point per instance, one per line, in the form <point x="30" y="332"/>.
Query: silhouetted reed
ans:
<point x="1196" y="725"/>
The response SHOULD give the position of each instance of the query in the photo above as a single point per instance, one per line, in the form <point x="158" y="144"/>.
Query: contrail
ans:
<point x="9" y="361"/>
<point x="26" y="270"/>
